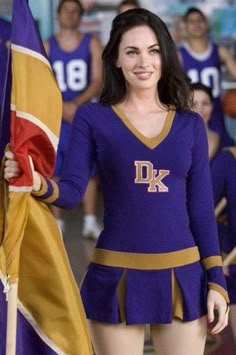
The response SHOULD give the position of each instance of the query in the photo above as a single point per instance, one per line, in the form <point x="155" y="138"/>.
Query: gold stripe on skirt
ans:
<point x="146" y="261"/>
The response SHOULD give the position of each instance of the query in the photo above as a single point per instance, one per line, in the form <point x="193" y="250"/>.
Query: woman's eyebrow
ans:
<point x="133" y="47"/>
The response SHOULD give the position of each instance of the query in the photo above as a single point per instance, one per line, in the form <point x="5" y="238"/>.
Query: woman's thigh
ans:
<point x="117" y="339"/>
<point x="180" y="338"/>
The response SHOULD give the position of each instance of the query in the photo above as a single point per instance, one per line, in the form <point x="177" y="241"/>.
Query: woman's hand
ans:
<point x="12" y="170"/>
<point x="11" y="166"/>
<point x="217" y="310"/>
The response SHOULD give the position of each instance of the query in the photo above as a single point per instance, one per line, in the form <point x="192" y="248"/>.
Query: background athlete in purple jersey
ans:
<point x="202" y="60"/>
<point x="76" y="60"/>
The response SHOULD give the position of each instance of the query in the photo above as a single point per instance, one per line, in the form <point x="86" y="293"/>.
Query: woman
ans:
<point x="203" y="104"/>
<point x="223" y="172"/>
<point x="157" y="259"/>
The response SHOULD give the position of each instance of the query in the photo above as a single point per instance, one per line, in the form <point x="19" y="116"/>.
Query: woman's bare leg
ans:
<point x="180" y="338"/>
<point x="117" y="339"/>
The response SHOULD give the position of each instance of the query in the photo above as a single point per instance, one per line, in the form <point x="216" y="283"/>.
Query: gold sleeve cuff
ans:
<point x="55" y="193"/>
<point x="212" y="261"/>
<point x="43" y="188"/>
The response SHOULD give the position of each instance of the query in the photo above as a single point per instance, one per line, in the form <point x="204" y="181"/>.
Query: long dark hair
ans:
<point x="174" y="87"/>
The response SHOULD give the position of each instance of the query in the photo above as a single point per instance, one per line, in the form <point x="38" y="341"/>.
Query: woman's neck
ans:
<point x="142" y="101"/>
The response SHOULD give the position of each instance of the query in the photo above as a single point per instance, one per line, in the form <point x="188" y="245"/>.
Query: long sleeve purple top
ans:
<point x="157" y="191"/>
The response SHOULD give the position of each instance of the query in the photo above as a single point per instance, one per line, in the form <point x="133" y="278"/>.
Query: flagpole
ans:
<point x="12" y="320"/>
<point x="12" y="249"/>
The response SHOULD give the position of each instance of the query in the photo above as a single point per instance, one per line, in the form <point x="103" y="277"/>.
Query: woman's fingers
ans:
<point x="217" y="310"/>
<point x="210" y="311"/>
<point x="222" y="322"/>
<point x="11" y="170"/>
<point x="9" y="155"/>
<point x="11" y="166"/>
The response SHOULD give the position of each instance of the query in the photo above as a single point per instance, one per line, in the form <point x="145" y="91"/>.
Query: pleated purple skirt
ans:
<point x="113" y="294"/>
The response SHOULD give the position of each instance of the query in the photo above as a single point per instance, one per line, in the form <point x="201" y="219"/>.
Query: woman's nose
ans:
<point x="143" y="60"/>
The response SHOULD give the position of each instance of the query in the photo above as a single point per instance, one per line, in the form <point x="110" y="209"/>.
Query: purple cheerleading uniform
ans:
<point x="206" y="68"/>
<point x="5" y="35"/>
<point x="158" y="204"/>
<point x="223" y="170"/>
<point x="72" y="71"/>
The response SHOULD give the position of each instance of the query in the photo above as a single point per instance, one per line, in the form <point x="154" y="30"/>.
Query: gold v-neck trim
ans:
<point x="149" y="142"/>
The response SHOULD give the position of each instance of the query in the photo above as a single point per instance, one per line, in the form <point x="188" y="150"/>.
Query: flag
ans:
<point x="34" y="268"/>
<point x="5" y="34"/>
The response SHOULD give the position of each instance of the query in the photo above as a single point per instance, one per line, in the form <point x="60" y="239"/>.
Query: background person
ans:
<point x="203" y="103"/>
<point x="76" y="60"/>
<point x="223" y="172"/>
<point x="202" y="60"/>
<point x="127" y="5"/>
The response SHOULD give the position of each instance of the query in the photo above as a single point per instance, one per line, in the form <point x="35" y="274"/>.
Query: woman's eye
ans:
<point x="131" y="52"/>
<point x="155" y="51"/>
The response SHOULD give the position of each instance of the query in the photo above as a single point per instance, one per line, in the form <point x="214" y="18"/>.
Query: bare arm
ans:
<point x="93" y="89"/>
<point x="228" y="61"/>
<point x="220" y="206"/>
<point x="230" y="257"/>
<point x="213" y="143"/>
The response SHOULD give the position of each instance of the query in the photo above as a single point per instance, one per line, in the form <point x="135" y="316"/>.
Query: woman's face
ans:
<point x="202" y="104"/>
<point x="139" y="58"/>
